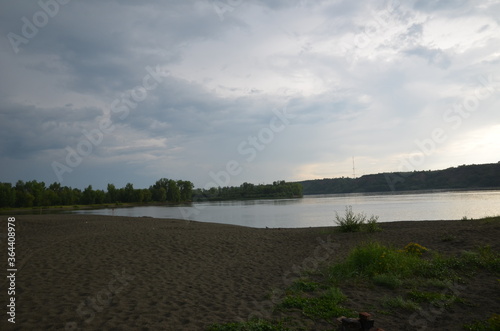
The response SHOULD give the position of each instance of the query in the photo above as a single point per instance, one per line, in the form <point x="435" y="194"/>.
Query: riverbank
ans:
<point x="68" y="208"/>
<point x="98" y="272"/>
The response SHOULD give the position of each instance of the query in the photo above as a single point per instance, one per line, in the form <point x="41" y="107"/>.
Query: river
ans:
<point x="319" y="210"/>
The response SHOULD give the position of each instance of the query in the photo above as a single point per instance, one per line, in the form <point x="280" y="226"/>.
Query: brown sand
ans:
<point x="120" y="273"/>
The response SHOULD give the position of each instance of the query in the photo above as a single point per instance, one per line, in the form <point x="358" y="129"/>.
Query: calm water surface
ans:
<point x="319" y="210"/>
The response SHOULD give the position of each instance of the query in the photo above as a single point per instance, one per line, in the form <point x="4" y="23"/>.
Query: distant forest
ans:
<point x="278" y="189"/>
<point x="37" y="194"/>
<point x="462" y="177"/>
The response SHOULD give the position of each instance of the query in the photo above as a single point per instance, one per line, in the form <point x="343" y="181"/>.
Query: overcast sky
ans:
<point x="117" y="91"/>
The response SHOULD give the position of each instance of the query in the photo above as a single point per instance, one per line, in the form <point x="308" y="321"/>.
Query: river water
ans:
<point x="319" y="210"/>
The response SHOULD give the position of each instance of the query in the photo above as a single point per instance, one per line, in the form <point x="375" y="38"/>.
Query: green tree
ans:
<point x="88" y="196"/>
<point x="23" y="197"/>
<point x="128" y="193"/>
<point x="158" y="194"/>
<point x="53" y="194"/>
<point x="7" y="195"/>
<point x="70" y="196"/>
<point x="37" y="190"/>
<point x="173" y="192"/>
<point x="112" y="194"/>
<point x="147" y="195"/>
<point x="100" y="196"/>
<point x="186" y="190"/>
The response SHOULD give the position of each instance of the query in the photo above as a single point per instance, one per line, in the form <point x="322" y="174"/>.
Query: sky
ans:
<point x="231" y="91"/>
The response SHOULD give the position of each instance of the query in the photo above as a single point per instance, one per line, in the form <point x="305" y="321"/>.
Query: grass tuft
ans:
<point x="387" y="280"/>
<point x="492" y="324"/>
<point x="375" y="259"/>
<point x="325" y="306"/>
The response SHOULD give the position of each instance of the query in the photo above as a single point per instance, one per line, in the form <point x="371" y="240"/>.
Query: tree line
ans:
<point x="37" y="194"/>
<point x="462" y="177"/>
<point x="276" y="190"/>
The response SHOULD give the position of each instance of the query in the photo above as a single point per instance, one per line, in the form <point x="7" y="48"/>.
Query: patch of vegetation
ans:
<point x="352" y="222"/>
<point x="387" y="280"/>
<point x="325" y="306"/>
<point x="450" y="268"/>
<point x="374" y="259"/>
<point x="416" y="278"/>
<point x="419" y="278"/>
<point x="415" y="249"/>
<point x="490" y="219"/>
<point x="372" y="225"/>
<point x="303" y="285"/>
<point x="492" y="324"/>
<point x="487" y="219"/>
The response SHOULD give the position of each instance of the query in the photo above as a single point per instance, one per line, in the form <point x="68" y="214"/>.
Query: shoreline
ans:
<point x="48" y="209"/>
<point x="186" y="275"/>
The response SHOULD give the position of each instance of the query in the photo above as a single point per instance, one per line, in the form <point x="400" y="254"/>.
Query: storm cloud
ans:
<point x="97" y="92"/>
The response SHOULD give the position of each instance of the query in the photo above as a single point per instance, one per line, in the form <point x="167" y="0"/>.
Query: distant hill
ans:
<point x="462" y="177"/>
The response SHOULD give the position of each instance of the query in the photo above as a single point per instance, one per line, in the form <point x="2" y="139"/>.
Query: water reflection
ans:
<point x="319" y="210"/>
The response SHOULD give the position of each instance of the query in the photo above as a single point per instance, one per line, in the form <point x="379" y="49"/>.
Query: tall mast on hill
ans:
<point x="353" y="169"/>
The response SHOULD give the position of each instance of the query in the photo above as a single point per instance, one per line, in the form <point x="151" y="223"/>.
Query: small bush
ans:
<point x="372" y="225"/>
<point x="351" y="222"/>
<point x="415" y="249"/>
<point x="375" y="259"/>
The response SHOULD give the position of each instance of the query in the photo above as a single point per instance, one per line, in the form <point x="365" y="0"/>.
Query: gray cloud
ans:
<point x="360" y="79"/>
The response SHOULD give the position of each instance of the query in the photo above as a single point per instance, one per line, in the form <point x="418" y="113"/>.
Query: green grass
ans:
<point x="487" y="219"/>
<point x="490" y="219"/>
<point x="417" y="277"/>
<point x="374" y="259"/>
<point x="303" y="285"/>
<point x="386" y="265"/>
<point x="325" y="306"/>
<point x="492" y="324"/>
<point x="387" y="280"/>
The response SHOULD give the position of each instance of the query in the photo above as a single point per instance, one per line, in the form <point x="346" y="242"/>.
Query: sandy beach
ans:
<point x="79" y="272"/>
